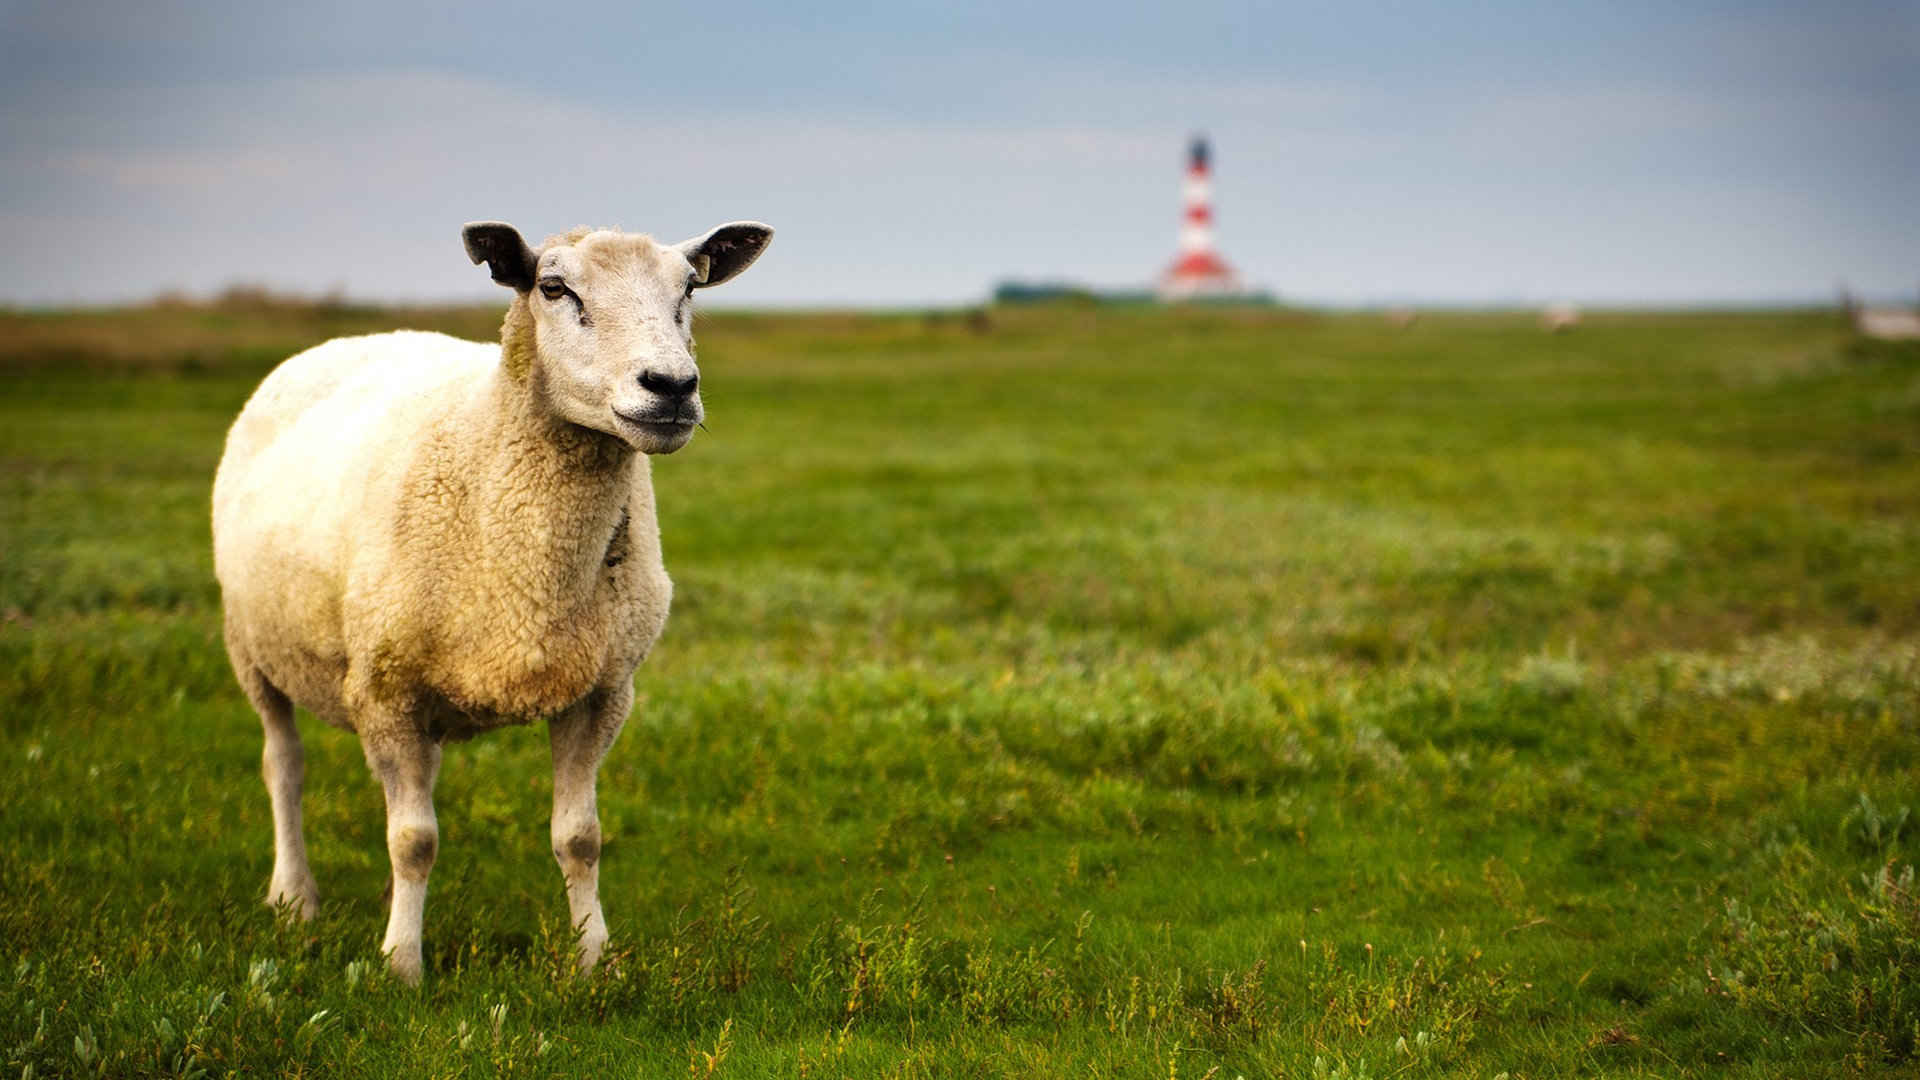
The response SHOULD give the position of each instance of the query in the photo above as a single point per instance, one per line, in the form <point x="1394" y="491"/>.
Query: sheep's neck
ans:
<point x="549" y="498"/>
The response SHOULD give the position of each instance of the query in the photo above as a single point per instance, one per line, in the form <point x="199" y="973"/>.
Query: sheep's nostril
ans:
<point x="667" y="386"/>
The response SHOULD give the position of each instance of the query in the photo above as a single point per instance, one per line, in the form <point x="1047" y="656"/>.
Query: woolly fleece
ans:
<point x="419" y="539"/>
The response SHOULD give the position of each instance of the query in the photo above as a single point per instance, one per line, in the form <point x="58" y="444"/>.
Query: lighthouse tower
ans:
<point x="1198" y="272"/>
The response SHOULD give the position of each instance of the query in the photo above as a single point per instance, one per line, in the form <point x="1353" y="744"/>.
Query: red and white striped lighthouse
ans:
<point x="1198" y="271"/>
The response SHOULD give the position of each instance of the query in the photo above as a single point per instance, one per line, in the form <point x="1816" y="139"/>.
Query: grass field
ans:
<point x="1084" y="692"/>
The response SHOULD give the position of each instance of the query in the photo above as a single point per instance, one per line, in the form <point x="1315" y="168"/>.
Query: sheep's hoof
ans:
<point x="588" y="957"/>
<point x="404" y="962"/>
<point x="296" y="903"/>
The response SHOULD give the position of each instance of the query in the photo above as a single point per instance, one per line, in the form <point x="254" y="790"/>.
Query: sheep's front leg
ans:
<point x="580" y="738"/>
<point x="406" y="762"/>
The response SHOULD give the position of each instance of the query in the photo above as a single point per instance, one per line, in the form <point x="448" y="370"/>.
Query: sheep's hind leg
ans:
<point x="580" y="738"/>
<point x="283" y="766"/>
<point x="406" y="762"/>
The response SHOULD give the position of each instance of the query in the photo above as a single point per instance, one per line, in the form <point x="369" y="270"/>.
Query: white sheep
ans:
<point x="1559" y="317"/>
<point x="420" y="538"/>
<point x="1888" y="324"/>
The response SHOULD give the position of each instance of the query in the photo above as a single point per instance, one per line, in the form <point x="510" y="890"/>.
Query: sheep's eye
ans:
<point x="553" y="289"/>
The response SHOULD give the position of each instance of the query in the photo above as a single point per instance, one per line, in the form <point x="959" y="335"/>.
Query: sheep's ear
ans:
<point x="498" y="244"/>
<point x="724" y="252"/>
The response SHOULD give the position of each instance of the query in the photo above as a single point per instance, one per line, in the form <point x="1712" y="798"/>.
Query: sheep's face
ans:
<point x="612" y="317"/>
<point x="613" y="322"/>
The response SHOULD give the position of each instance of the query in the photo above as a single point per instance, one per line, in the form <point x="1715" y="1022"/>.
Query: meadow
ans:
<point x="1055" y="691"/>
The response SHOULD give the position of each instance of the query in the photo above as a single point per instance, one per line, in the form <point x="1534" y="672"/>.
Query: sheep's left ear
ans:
<point x="724" y="252"/>
<point x="498" y="244"/>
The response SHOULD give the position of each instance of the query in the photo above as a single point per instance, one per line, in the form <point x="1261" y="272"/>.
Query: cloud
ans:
<point x="298" y="179"/>
<point x="152" y="172"/>
<point x="1329" y="188"/>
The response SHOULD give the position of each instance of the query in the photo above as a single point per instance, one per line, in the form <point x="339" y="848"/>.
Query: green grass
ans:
<point x="1111" y="693"/>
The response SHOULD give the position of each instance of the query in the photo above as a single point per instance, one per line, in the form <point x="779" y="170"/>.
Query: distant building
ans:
<point x="1198" y="272"/>
<point x="1013" y="291"/>
<point x="1016" y="291"/>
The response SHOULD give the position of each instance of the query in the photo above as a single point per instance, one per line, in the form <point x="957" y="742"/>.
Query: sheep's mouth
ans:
<point x="660" y="422"/>
<point x="658" y="431"/>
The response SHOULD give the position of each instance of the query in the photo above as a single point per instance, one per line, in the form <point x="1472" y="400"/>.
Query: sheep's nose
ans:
<point x="659" y="382"/>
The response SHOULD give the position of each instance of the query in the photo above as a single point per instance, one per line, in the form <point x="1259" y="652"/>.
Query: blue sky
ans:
<point x="912" y="153"/>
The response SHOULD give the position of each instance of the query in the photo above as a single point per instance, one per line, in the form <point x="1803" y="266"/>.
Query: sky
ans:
<point x="911" y="153"/>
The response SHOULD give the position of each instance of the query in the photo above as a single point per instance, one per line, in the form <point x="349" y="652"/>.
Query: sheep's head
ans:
<point x="612" y="321"/>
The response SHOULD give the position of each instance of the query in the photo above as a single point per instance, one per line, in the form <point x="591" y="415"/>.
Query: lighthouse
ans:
<point x="1198" y="272"/>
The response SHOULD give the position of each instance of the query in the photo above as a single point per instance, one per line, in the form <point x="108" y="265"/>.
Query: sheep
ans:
<point x="419" y="539"/>
<point x="1888" y="324"/>
<point x="1559" y="317"/>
